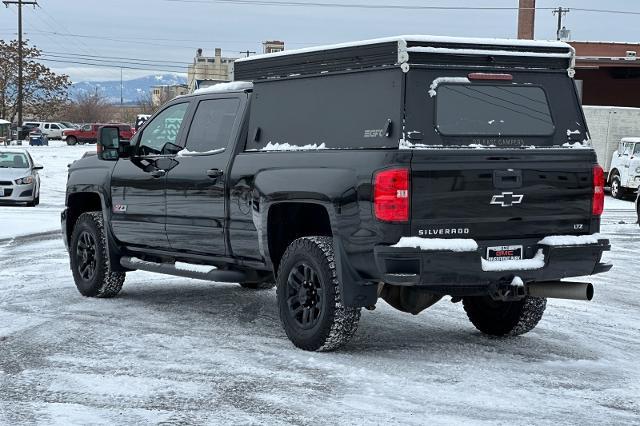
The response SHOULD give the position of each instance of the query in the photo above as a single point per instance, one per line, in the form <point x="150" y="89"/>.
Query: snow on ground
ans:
<point x="18" y="221"/>
<point x="180" y="351"/>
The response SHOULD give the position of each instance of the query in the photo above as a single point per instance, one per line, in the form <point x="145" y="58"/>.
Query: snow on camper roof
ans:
<point x="405" y="52"/>
<point x="233" y="86"/>
<point x="419" y="39"/>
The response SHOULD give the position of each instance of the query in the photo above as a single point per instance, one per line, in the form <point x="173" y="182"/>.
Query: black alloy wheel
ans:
<point x="86" y="259"/>
<point x="304" y="295"/>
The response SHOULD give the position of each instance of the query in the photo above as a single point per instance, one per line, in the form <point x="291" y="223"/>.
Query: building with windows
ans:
<point x="164" y="93"/>
<point x="208" y="70"/>
<point x="273" y="46"/>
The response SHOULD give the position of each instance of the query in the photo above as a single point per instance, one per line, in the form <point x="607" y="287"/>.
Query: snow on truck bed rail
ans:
<point x="569" y="240"/>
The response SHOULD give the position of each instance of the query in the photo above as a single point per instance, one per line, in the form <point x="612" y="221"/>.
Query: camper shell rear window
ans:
<point x="492" y="110"/>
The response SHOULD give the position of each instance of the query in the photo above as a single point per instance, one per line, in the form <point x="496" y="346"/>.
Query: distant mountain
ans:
<point x="131" y="89"/>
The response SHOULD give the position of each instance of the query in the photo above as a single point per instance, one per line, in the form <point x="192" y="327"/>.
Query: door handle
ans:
<point x="214" y="173"/>
<point x="158" y="173"/>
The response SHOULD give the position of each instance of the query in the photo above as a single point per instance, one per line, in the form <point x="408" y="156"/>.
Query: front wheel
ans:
<point x="90" y="259"/>
<point x="498" y="318"/>
<point x="71" y="140"/>
<point x="308" y="296"/>
<point x="616" y="188"/>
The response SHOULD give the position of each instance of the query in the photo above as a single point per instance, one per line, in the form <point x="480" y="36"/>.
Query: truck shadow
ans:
<point x="444" y="334"/>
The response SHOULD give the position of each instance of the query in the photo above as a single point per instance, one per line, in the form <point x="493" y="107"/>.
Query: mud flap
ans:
<point x="355" y="292"/>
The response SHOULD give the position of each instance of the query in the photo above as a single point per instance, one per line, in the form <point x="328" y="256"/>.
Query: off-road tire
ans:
<point x="334" y="324"/>
<point x="616" y="187"/>
<point x="504" y="318"/>
<point x="71" y="140"/>
<point x="103" y="282"/>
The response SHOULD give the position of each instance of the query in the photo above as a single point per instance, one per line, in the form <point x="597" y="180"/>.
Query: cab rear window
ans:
<point x="492" y="110"/>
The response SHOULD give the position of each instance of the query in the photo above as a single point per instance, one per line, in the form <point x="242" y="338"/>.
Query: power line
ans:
<point x="387" y="6"/>
<point x="99" y="65"/>
<point x="72" y="55"/>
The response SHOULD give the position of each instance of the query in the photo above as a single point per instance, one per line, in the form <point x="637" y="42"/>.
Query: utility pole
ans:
<point x="121" y="112"/>
<point x="561" y="12"/>
<point x="247" y="52"/>
<point x="20" y="3"/>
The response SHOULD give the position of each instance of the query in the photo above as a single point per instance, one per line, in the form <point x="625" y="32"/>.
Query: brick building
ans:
<point x="607" y="73"/>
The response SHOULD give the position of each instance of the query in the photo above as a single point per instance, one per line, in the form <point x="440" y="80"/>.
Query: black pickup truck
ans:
<point x="408" y="168"/>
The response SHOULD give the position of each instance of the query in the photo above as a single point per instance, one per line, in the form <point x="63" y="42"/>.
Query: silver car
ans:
<point x="19" y="179"/>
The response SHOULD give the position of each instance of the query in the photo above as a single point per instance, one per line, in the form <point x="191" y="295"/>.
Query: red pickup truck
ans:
<point x="88" y="133"/>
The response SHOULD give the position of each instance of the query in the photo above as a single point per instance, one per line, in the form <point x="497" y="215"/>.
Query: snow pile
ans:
<point x="288" y="147"/>
<point x="537" y="262"/>
<point x="190" y="267"/>
<point x="186" y="152"/>
<point x="438" y="244"/>
<point x="441" y="80"/>
<point x="225" y="87"/>
<point x="569" y="240"/>
<point x="573" y="132"/>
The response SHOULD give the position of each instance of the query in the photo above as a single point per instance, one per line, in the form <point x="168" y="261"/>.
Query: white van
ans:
<point x="53" y="130"/>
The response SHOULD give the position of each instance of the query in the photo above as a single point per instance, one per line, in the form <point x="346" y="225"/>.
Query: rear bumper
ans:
<point x="467" y="273"/>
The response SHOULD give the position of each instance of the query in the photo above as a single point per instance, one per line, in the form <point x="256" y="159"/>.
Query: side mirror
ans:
<point x="38" y="167"/>
<point x="109" y="145"/>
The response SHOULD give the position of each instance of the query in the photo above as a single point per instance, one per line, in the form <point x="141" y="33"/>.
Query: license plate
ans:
<point x="499" y="253"/>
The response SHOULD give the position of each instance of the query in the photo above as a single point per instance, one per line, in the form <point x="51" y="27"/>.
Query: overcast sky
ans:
<point x="169" y="30"/>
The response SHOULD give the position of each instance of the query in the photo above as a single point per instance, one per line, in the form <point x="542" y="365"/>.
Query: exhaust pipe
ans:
<point x="561" y="290"/>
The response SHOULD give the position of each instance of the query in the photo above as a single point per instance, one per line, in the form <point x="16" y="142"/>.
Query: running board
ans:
<point x="188" y="271"/>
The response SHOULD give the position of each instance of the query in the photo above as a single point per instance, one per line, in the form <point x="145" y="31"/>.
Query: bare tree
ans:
<point x="42" y="88"/>
<point x="90" y="108"/>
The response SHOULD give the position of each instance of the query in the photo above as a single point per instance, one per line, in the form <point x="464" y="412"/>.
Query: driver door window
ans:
<point x="162" y="131"/>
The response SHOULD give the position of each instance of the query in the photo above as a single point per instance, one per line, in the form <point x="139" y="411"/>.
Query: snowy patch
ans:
<point x="187" y="153"/>
<point x="438" y="244"/>
<point x="405" y="144"/>
<point x="441" y="80"/>
<point x="288" y="147"/>
<point x="569" y="240"/>
<point x="573" y="132"/>
<point x="204" y="269"/>
<point x="585" y="144"/>
<point x="537" y="262"/>
<point x="225" y="87"/>
<point x="517" y="282"/>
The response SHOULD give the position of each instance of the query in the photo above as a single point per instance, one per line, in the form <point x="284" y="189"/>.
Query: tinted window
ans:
<point x="55" y="126"/>
<point x="162" y="130"/>
<point x="483" y="110"/>
<point x="636" y="151"/>
<point x="212" y="125"/>
<point x="627" y="148"/>
<point x="340" y="111"/>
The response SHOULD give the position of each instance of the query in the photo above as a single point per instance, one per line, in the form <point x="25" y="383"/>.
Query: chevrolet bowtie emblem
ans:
<point x="507" y="199"/>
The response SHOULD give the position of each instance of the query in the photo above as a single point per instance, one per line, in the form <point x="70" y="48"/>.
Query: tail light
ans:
<point x="598" y="191"/>
<point x="391" y="195"/>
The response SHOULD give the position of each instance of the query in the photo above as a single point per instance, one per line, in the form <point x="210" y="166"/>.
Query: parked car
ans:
<point x="349" y="173"/>
<point x="88" y="133"/>
<point x="19" y="179"/>
<point x="69" y="125"/>
<point x="52" y="129"/>
<point x="624" y="178"/>
<point x="24" y="132"/>
<point x="38" y="138"/>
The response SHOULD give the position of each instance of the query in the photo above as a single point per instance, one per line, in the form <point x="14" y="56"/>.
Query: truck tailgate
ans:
<point x="491" y="194"/>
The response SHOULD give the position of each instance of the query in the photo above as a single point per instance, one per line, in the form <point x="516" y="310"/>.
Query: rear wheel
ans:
<point x="90" y="260"/>
<point x="309" y="299"/>
<point x="498" y="318"/>
<point x="616" y="187"/>
<point x="71" y="140"/>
